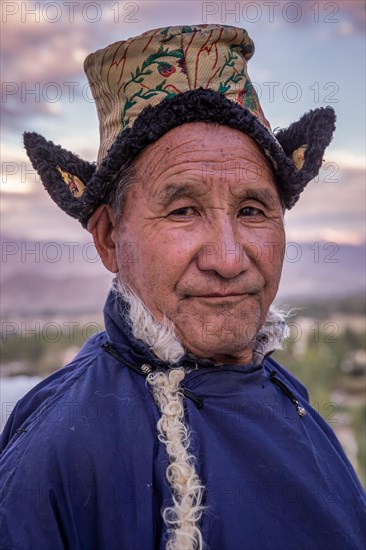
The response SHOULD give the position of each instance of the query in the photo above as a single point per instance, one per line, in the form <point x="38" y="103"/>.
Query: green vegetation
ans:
<point x="327" y="307"/>
<point x="39" y="348"/>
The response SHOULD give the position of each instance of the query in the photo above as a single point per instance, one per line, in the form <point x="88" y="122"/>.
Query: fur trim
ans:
<point x="160" y="337"/>
<point x="314" y="128"/>
<point x="271" y="335"/>
<point x="45" y="156"/>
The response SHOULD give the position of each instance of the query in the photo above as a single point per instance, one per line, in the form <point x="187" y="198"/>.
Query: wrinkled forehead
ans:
<point x="204" y="154"/>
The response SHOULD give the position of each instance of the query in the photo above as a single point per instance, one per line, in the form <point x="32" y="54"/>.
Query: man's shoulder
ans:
<point x="70" y="418"/>
<point x="85" y="392"/>
<point x="287" y="377"/>
<point x="69" y="435"/>
<point x="50" y="389"/>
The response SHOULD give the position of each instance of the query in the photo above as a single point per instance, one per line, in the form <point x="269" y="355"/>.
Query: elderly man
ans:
<point x="175" y="428"/>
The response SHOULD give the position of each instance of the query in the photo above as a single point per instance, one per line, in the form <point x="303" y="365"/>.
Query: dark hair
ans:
<point x="123" y="181"/>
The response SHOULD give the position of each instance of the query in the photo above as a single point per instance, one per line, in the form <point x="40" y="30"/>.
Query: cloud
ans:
<point x="346" y="159"/>
<point x="354" y="11"/>
<point x="15" y="110"/>
<point x="35" y="216"/>
<point x="43" y="61"/>
<point x="36" y="53"/>
<point x="331" y="208"/>
<point x="346" y="17"/>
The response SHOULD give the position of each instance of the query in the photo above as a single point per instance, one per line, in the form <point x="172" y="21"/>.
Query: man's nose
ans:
<point x="223" y="252"/>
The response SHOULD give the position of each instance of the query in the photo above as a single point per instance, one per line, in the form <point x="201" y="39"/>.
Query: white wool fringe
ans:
<point x="182" y="518"/>
<point x="160" y="337"/>
<point x="275" y="328"/>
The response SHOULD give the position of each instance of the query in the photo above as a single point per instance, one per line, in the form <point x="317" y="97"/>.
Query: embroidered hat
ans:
<point x="147" y="85"/>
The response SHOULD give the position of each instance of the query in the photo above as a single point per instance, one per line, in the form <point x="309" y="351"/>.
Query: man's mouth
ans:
<point x="218" y="295"/>
<point x="222" y="296"/>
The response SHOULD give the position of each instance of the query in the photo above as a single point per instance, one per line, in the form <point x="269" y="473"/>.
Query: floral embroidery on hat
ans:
<point x="165" y="69"/>
<point x="182" y="65"/>
<point x="146" y="75"/>
<point x="74" y="184"/>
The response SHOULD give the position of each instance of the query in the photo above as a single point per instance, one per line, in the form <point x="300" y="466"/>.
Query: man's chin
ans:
<point x="220" y="335"/>
<point x="223" y="352"/>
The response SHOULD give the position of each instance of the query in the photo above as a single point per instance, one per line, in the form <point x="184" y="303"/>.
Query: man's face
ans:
<point x="205" y="221"/>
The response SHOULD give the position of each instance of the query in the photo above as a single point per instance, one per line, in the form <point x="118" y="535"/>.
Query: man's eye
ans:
<point x="250" y="211"/>
<point x="184" y="211"/>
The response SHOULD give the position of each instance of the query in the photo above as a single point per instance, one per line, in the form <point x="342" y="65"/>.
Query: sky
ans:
<point x="308" y="55"/>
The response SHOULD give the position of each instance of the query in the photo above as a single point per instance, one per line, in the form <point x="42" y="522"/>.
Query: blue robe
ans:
<point x="82" y="467"/>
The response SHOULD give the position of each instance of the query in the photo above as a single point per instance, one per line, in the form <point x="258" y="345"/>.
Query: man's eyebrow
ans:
<point x="174" y="191"/>
<point x="264" y="196"/>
